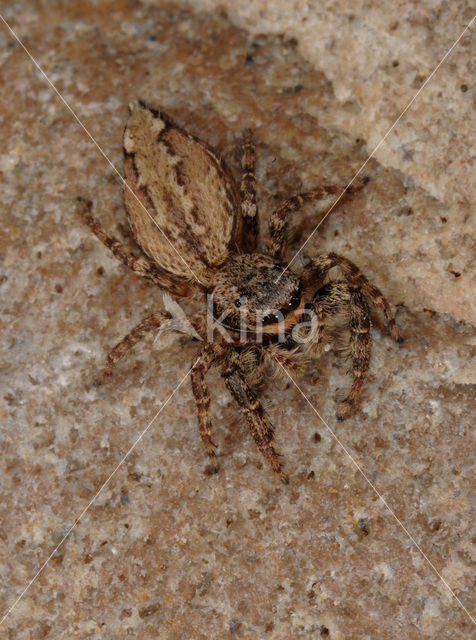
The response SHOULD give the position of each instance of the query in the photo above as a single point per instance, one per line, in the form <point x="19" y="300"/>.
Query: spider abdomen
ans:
<point x="181" y="200"/>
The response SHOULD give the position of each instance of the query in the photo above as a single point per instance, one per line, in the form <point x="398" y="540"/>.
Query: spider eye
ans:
<point x="273" y="318"/>
<point x="295" y="300"/>
<point x="241" y="300"/>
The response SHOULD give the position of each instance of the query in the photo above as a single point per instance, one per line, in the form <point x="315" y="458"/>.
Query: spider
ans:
<point x="198" y="229"/>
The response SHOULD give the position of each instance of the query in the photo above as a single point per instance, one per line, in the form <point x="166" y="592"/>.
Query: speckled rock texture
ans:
<point x="166" y="551"/>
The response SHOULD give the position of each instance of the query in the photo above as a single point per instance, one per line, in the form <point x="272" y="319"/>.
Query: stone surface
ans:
<point x="165" y="551"/>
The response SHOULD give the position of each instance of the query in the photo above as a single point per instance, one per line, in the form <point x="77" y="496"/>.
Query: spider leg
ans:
<point x="207" y="356"/>
<point x="249" y="209"/>
<point x="139" y="264"/>
<point x="278" y="222"/>
<point x="323" y="263"/>
<point x="258" y="422"/>
<point x="123" y="347"/>
<point x="334" y="298"/>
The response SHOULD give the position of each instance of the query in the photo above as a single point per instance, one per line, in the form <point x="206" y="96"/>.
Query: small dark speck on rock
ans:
<point x="211" y="471"/>
<point x="297" y="88"/>
<point x="148" y="611"/>
<point x="249" y="60"/>
<point x="152" y="38"/>
<point x="436" y="526"/>
<point x="362" y="524"/>
<point x="233" y="626"/>
<point x="324" y="631"/>
<point x="464" y="88"/>
<point x="317" y="437"/>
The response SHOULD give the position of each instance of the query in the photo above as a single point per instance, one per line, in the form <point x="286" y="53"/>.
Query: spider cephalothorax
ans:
<point x="251" y="290"/>
<point x="198" y="229"/>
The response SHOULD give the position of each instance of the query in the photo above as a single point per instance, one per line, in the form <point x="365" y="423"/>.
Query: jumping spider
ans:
<point x="198" y="229"/>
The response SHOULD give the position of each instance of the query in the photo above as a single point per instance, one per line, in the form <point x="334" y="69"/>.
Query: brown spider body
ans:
<point x="246" y="288"/>
<point x="199" y="229"/>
